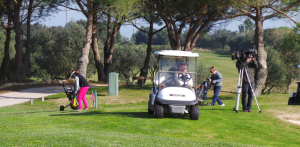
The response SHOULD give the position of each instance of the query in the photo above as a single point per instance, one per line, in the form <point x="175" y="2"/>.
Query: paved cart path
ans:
<point x="12" y="98"/>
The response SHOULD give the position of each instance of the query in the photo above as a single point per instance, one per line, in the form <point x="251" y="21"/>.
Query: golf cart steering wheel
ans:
<point x="184" y="78"/>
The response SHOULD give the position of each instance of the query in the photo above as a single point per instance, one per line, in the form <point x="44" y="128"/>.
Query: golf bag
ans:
<point x="201" y="93"/>
<point x="72" y="98"/>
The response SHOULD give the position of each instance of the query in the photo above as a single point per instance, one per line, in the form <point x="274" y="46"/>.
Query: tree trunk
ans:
<point x="191" y="32"/>
<point x="26" y="58"/>
<point x="106" y="49"/>
<point x="5" y="61"/>
<point x="109" y="46"/>
<point x="288" y="86"/>
<point x="84" y="58"/>
<point x="97" y="57"/>
<point x="144" y="70"/>
<point x="18" y="74"/>
<point x="261" y="72"/>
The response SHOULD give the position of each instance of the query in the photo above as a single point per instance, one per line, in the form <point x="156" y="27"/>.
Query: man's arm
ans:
<point x="240" y="64"/>
<point x="254" y="63"/>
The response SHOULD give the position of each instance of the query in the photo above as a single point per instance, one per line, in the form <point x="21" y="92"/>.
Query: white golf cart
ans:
<point x="174" y="86"/>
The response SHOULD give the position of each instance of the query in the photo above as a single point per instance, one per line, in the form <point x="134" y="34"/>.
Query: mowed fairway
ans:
<point x="123" y="120"/>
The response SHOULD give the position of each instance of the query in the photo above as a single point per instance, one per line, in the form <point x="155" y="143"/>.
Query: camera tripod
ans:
<point x="239" y="90"/>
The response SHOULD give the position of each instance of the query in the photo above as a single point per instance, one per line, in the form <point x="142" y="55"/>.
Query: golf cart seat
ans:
<point x="164" y="78"/>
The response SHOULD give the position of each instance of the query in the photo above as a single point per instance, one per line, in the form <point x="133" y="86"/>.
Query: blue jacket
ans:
<point x="217" y="77"/>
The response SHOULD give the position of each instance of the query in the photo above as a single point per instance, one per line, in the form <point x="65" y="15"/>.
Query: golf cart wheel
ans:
<point x="158" y="110"/>
<point x="149" y="108"/>
<point x="290" y="101"/>
<point x="194" y="113"/>
<point x="61" y="108"/>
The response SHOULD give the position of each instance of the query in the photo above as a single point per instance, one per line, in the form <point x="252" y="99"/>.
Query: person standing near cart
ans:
<point x="81" y="87"/>
<point x="248" y="64"/>
<point x="216" y="79"/>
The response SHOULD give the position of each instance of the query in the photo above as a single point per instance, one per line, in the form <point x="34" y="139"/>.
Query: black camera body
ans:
<point x="242" y="55"/>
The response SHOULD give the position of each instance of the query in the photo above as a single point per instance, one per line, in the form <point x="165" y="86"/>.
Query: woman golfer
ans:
<point x="81" y="87"/>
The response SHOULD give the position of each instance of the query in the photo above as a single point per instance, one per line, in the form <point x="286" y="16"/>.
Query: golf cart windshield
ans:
<point x="177" y="71"/>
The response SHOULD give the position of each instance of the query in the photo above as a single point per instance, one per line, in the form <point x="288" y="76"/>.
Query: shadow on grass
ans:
<point x="144" y="115"/>
<point x="135" y="87"/>
<point x="225" y="97"/>
<point x="30" y="112"/>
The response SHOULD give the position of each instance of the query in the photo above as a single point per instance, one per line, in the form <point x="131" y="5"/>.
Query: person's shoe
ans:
<point x="245" y="110"/>
<point x="249" y="110"/>
<point x="85" y="108"/>
<point x="78" y="109"/>
<point x="222" y="105"/>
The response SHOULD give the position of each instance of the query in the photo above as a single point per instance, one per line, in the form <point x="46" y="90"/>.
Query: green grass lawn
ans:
<point x="123" y="120"/>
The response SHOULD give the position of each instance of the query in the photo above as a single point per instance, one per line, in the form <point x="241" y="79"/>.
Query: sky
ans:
<point x="60" y="19"/>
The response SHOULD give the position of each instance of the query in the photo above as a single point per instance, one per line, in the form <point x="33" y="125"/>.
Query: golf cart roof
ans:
<point x="176" y="53"/>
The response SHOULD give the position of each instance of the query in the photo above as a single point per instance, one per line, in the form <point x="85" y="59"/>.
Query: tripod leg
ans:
<point x="239" y="90"/>
<point x="253" y="92"/>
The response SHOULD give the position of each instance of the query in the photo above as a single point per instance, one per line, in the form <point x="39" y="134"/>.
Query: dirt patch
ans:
<point x="108" y="100"/>
<point x="289" y="114"/>
<point x="113" y="100"/>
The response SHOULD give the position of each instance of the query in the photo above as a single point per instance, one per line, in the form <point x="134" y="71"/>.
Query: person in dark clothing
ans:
<point x="248" y="64"/>
<point x="81" y="87"/>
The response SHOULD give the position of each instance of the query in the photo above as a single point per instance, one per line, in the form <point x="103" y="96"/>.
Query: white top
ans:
<point x="176" y="53"/>
<point x="77" y="87"/>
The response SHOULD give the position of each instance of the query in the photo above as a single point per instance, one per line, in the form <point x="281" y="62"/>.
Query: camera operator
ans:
<point x="248" y="64"/>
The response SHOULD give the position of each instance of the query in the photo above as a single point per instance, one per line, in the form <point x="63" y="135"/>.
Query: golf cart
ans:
<point x="295" y="96"/>
<point x="175" y="85"/>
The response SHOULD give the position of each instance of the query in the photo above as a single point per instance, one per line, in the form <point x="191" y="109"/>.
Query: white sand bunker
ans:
<point x="291" y="115"/>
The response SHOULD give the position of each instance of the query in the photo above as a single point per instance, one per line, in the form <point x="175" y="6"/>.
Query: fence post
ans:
<point x="96" y="98"/>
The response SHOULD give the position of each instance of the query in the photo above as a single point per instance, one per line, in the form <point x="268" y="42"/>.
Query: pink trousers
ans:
<point x="81" y="97"/>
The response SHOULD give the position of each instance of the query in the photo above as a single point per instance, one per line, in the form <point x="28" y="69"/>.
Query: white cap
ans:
<point x="72" y="73"/>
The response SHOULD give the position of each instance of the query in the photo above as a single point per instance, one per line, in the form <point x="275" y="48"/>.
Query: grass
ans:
<point x="123" y="120"/>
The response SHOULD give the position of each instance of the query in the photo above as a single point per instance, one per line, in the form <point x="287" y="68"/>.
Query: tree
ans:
<point x="88" y="12"/>
<point x="289" y="48"/>
<point x="259" y="11"/>
<point x="13" y="11"/>
<point x="246" y="26"/>
<point x="5" y="62"/>
<point x="120" y="12"/>
<point x="56" y="51"/>
<point x="116" y="13"/>
<point x="203" y="72"/>
<point x="276" y="71"/>
<point x="151" y="19"/>
<point x="118" y="37"/>
<point x="197" y="14"/>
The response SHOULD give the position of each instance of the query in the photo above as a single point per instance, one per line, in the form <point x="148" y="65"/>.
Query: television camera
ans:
<point x="242" y="55"/>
